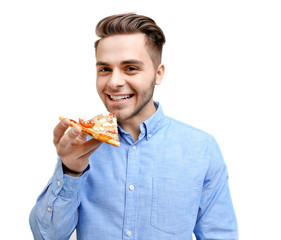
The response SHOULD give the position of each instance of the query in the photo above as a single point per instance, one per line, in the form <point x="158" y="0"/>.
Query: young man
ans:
<point x="166" y="181"/>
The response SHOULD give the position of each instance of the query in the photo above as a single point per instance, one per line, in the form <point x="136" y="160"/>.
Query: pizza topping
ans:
<point x="102" y="127"/>
<point x="106" y="124"/>
<point x="86" y="124"/>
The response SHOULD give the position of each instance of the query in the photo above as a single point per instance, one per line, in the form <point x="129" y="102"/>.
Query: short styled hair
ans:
<point x="133" y="23"/>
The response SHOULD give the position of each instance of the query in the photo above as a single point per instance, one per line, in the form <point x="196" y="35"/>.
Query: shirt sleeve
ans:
<point x="55" y="214"/>
<point x="216" y="217"/>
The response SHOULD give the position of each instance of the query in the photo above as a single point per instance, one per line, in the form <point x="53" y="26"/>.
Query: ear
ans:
<point x="160" y="74"/>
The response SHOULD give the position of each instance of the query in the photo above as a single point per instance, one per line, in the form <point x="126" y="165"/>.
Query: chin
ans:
<point x="118" y="112"/>
<point x="122" y="116"/>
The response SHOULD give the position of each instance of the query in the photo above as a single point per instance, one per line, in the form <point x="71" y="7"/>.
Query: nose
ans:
<point x="116" y="79"/>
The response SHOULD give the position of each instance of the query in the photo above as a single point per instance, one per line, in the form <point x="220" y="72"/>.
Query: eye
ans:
<point x="131" y="69"/>
<point x="104" y="69"/>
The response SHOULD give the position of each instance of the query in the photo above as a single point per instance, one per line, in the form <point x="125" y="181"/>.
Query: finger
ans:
<point x="84" y="160"/>
<point x="81" y="156"/>
<point x="83" y="135"/>
<point x="68" y="138"/>
<point x="60" y="129"/>
<point x="80" y="139"/>
<point x="80" y="164"/>
<point x="87" y="148"/>
<point x="85" y="157"/>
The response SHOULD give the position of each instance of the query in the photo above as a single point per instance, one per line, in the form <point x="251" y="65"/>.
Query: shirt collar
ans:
<point x="155" y="122"/>
<point x="151" y="125"/>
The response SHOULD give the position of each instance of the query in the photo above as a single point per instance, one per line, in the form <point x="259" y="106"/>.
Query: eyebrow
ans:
<point x="99" y="63"/>
<point x="130" y="61"/>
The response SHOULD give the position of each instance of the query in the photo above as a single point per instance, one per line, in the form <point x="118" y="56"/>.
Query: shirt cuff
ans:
<point x="67" y="186"/>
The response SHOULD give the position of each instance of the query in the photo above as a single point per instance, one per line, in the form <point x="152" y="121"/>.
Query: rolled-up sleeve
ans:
<point x="216" y="217"/>
<point x="55" y="214"/>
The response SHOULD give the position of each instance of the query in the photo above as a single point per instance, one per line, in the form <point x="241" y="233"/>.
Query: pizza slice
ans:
<point x="102" y="127"/>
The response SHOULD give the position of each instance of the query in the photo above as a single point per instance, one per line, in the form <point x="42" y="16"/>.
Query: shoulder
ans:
<point x="195" y="141"/>
<point x="187" y="131"/>
<point x="190" y="137"/>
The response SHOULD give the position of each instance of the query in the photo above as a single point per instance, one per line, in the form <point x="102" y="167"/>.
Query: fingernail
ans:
<point x="64" y="122"/>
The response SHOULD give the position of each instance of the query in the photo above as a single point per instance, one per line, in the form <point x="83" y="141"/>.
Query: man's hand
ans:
<point x="73" y="147"/>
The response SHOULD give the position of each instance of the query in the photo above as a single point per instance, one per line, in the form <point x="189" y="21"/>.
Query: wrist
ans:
<point x="70" y="172"/>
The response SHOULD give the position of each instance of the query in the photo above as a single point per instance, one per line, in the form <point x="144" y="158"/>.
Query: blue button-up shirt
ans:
<point x="169" y="184"/>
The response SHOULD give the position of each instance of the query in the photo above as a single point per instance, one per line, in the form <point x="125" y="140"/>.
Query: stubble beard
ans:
<point x="146" y="95"/>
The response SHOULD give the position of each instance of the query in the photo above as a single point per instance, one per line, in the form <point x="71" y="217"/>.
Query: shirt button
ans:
<point x="134" y="147"/>
<point x="131" y="187"/>
<point x="59" y="183"/>
<point x="149" y="135"/>
<point x="49" y="209"/>
<point x="129" y="233"/>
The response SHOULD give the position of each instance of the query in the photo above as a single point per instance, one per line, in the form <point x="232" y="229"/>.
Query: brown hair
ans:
<point x="133" y="23"/>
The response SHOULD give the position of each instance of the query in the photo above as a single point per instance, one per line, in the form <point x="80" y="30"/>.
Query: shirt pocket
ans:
<point x="174" y="204"/>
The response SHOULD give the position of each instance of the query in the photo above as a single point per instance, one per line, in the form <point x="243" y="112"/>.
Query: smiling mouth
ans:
<point x="120" y="97"/>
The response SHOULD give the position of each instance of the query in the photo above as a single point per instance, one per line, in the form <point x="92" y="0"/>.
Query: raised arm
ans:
<point x="55" y="214"/>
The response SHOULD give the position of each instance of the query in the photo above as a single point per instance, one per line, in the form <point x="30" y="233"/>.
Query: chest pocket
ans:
<point x="174" y="205"/>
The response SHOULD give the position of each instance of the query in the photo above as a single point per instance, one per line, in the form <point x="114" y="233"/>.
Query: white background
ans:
<point x="223" y="68"/>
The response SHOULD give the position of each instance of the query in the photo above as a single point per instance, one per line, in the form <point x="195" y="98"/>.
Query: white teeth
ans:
<point x="115" y="98"/>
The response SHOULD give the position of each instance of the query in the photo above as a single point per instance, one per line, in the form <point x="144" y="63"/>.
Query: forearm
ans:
<point x="55" y="214"/>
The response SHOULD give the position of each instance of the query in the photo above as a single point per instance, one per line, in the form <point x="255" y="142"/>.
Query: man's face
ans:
<point x="126" y="76"/>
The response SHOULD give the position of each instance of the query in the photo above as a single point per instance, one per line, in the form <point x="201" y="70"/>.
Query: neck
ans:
<point x="132" y="125"/>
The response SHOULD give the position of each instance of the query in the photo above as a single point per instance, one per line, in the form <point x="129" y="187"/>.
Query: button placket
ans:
<point x="131" y="195"/>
